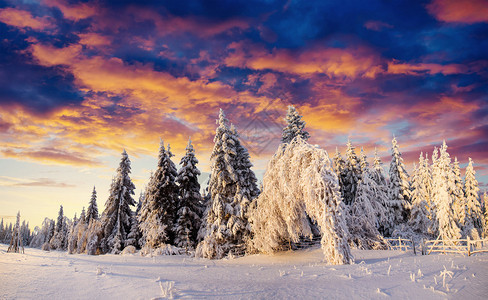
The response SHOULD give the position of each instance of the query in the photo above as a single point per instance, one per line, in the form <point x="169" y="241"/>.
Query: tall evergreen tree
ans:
<point x="399" y="187"/>
<point x="443" y="183"/>
<point x="189" y="200"/>
<point x="158" y="212"/>
<point x="459" y="201"/>
<point x="419" y="220"/>
<point x="380" y="202"/>
<point x="58" y="240"/>
<point x="365" y="214"/>
<point x="294" y="126"/>
<point x="226" y="224"/>
<point x="363" y="161"/>
<point x="485" y="219"/>
<point x="116" y="218"/>
<point x="350" y="175"/>
<point x="92" y="212"/>
<point x="474" y="214"/>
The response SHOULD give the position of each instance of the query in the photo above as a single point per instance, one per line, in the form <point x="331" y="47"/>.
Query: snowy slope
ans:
<point x="287" y="275"/>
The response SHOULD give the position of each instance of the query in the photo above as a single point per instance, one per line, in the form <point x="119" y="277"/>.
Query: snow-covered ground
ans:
<point x="288" y="275"/>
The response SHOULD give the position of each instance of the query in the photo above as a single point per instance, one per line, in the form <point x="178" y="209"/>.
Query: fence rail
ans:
<point x="462" y="246"/>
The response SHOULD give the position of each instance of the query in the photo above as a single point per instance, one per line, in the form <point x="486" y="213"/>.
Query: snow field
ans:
<point x="285" y="275"/>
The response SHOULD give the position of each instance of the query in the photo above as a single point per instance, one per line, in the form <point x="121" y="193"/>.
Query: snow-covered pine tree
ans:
<point x="188" y="217"/>
<point x="158" y="212"/>
<point x="441" y="185"/>
<point x="399" y="188"/>
<point x="350" y="175"/>
<point x="362" y="219"/>
<point x="16" y="245"/>
<point x="299" y="183"/>
<point x="380" y="202"/>
<point x="459" y="201"/>
<point x="419" y="221"/>
<point x="363" y="161"/>
<point x="116" y="218"/>
<point x="92" y="212"/>
<point x="58" y="239"/>
<point x="226" y="228"/>
<point x="294" y="126"/>
<point x="474" y="214"/>
<point x="485" y="219"/>
<point x="247" y="188"/>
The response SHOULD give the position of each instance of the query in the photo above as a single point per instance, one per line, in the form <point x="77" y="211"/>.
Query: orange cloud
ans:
<point x="23" y="19"/>
<point x="74" y="12"/>
<point x="459" y="11"/>
<point x="395" y="67"/>
<point x="51" y="155"/>
<point x="349" y="62"/>
<point x="93" y="40"/>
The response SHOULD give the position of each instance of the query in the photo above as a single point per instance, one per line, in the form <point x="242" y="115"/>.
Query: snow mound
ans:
<point x="128" y="250"/>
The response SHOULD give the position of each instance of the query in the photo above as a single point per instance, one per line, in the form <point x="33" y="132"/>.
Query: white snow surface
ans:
<point x="377" y="274"/>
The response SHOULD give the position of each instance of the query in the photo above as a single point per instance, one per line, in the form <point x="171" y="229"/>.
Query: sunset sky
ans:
<point x="82" y="80"/>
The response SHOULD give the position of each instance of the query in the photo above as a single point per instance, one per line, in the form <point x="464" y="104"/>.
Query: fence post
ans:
<point x="413" y="246"/>
<point x="400" y="243"/>
<point x="422" y="246"/>
<point x="468" y="244"/>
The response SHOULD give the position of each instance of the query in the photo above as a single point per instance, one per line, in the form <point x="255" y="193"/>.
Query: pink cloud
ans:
<point x="73" y="12"/>
<point x="459" y="11"/>
<point x="24" y="19"/>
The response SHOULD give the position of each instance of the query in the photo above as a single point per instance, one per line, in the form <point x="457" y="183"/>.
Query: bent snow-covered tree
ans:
<point x="116" y="219"/>
<point x="299" y="183"/>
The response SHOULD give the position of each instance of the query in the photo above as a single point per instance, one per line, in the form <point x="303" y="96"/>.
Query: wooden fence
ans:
<point x="401" y="244"/>
<point x="462" y="246"/>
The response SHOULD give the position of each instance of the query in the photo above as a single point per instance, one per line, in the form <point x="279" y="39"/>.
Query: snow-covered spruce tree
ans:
<point x="350" y="175"/>
<point x="294" y="126"/>
<point x="299" y="182"/>
<point x="116" y="218"/>
<point x="441" y="185"/>
<point x="485" y="218"/>
<point x="363" y="161"/>
<point x="362" y="220"/>
<point x="459" y="201"/>
<point x="383" y="216"/>
<point x="419" y="221"/>
<point x="158" y="212"/>
<point x="16" y="245"/>
<point x="226" y="228"/>
<point x="92" y="212"/>
<point x="41" y="235"/>
<point x="474" y="214"/>
<point x="58" y="239"/>
<point x="188" y="217"/>
<point x="399" y="189"/>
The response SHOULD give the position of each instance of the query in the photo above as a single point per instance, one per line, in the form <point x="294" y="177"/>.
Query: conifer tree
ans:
<point x="380" y="201"/>
<point x="294" y="126"/>
<point x="350" y="175"/>
<point x="364" y="214"/>
<point x="92" y="212"/>
<point x="485" y="221"/>
<point x="457" y="193"/>
<point x="442" y="184"/>
<point x="116" y="218"/>
<point x="58" y="239"/>
<point x="419" y="221"/>
<point x="158" y="212"/>
<point x="226" y="228"/>
<point x="189" y="200"/>
<point x="363" y="161"/>
<point x="474" y="214"/>
<point x="399" y="187"/>
<point x="16" y="244"/>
